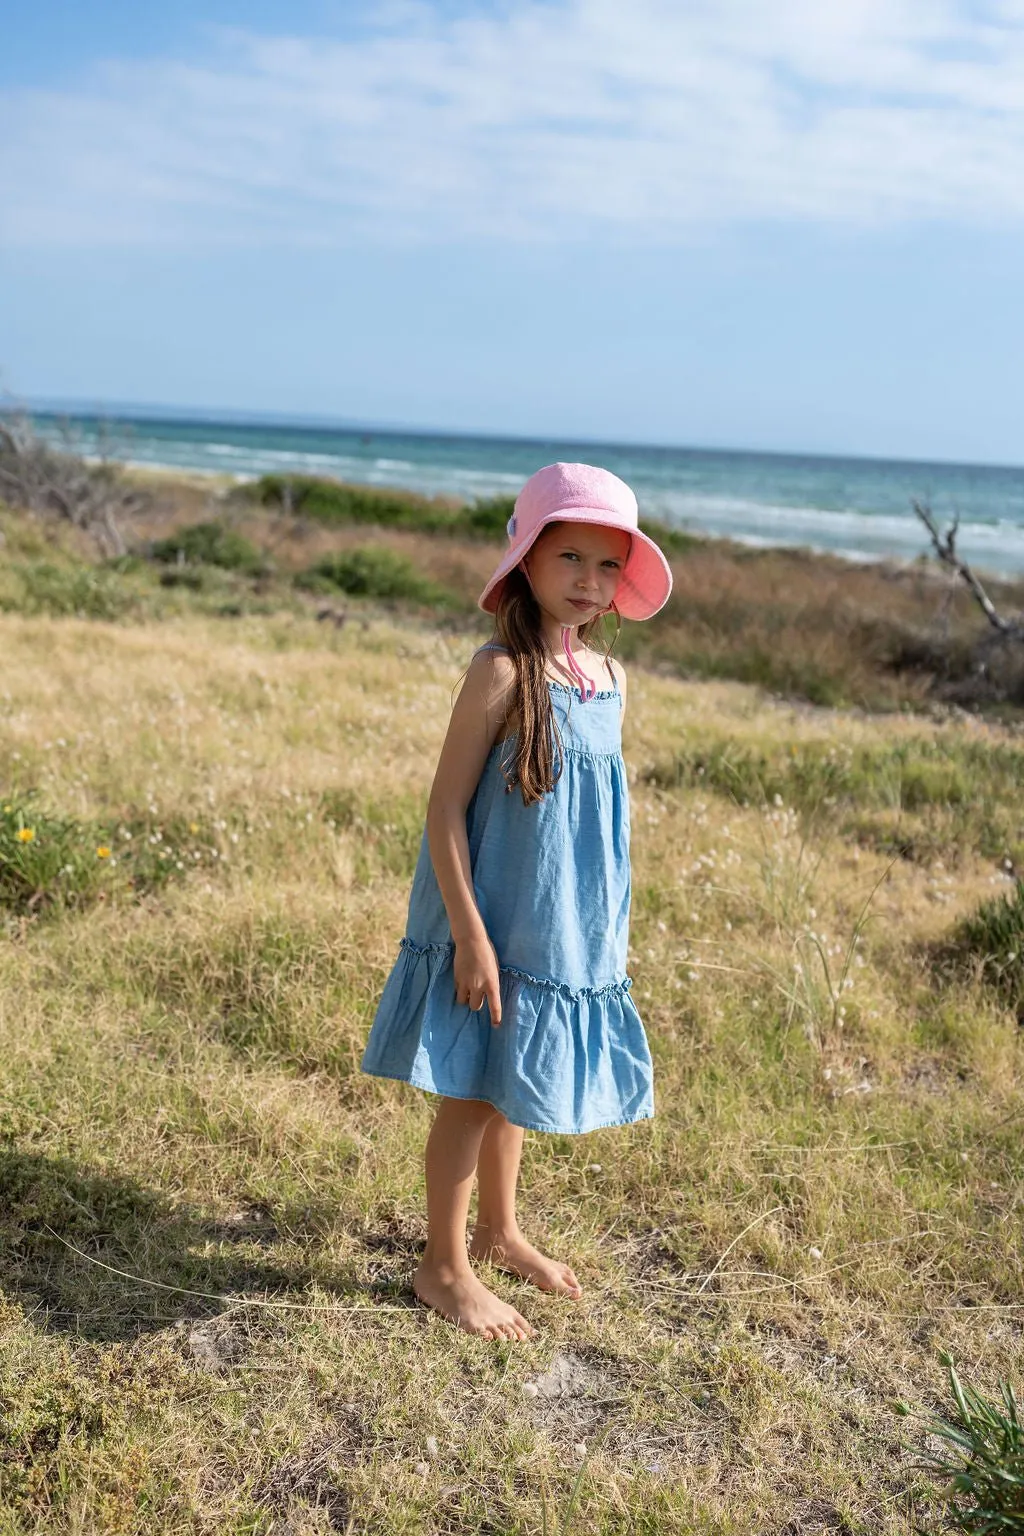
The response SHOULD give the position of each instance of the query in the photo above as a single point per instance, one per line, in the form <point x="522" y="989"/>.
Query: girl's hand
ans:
<point x="476" y="977"/>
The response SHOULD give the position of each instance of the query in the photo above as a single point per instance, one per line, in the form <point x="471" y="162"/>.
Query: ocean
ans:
<point x="857" y="508"/>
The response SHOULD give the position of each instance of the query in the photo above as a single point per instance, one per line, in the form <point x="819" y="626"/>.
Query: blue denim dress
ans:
<point x="552" y="883"/>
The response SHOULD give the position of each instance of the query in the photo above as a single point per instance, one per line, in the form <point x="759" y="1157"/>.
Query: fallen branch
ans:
<point x="944" y="545"/>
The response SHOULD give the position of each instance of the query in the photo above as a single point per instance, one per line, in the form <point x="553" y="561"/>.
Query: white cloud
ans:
<point x="588" y="118"/>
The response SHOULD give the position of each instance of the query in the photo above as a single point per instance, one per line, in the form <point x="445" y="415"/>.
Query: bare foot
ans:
<point x="512" y="1252"/>
<point x="459" y="1296"/>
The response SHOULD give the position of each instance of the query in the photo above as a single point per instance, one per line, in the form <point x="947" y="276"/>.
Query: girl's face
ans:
<point x="574" y="569"/>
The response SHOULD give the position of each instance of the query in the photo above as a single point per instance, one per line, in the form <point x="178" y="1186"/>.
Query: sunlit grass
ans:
<point x="827" y="1196"/>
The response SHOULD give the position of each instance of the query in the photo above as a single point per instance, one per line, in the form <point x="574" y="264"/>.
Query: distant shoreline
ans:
<point x="859" y="510"/>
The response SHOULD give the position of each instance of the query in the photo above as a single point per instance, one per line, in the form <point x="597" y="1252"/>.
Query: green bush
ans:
<point x="211" y="544"/>
<point x="993" y="937"/>
<point x="673" y="541"/>
<point x="330" y="501"/>
<point x="487" y="518"/>
<point x="372" y="571"/>
<point x="35" y="587"/>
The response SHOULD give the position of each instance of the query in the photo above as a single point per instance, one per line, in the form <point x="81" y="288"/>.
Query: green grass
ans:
<point x="50" y="864"/>
<point x="921" y="798"/>
<point x="209" y="1216"/>
<point x="980" y="1462"/>
<point x="991" y="941"/>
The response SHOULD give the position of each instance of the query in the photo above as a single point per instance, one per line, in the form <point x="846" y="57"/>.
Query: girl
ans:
<point x="510" y="997"/>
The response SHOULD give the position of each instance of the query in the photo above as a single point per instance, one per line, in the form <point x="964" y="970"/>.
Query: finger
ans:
<point x="494" y="1004"/>
<point x="476" y="998"/>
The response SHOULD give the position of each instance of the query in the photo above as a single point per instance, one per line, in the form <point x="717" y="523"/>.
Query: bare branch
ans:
<point x="944" y="545"/>
<point x="45" y="480"/>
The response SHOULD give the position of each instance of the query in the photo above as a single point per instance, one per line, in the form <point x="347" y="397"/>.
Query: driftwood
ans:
<point x="944" y="544"/>
<point x="36" y="477"/>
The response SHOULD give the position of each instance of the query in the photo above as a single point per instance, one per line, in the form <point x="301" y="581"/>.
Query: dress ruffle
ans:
<point x="563" y="1060"/>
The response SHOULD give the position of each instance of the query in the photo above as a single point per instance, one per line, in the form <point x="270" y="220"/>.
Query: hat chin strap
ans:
<point x="586" y="685"/>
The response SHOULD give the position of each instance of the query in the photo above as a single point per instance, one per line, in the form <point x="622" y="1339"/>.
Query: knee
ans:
<point x="476" y="1110"/>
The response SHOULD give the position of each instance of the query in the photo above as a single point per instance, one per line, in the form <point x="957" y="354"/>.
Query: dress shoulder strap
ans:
<point x="491" y="646"/>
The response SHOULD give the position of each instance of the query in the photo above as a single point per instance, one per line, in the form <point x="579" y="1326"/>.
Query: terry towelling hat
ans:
<point x="581" y="493"/>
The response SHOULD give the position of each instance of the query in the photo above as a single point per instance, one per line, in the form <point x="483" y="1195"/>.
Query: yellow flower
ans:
<point x="26" y="834"/>
<point x="6" y="809"/>
<point x="103" y="853"/>
<point x="193" y="826"/>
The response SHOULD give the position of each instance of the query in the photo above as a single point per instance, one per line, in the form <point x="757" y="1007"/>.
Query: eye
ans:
<point x="616" y="565"/>
<point x="569" y="554"/>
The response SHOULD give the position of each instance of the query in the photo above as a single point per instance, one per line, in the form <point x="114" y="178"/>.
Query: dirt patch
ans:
<point x="313" y="1477"/>
<point x="813" y="1516"/>
<point x="217" y="1344"/>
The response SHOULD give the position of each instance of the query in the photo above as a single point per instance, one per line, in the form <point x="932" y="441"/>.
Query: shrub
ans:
<point x="673" y="541"/>
<point x="372" y="571"/>
<point x="330" y="501"/>
<point x="487" y="518"/>
<point x="66" y="591"/>
<point x="211" y="544"/>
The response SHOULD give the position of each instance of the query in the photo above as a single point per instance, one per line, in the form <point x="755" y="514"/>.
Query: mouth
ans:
<point x="581" y="603"/>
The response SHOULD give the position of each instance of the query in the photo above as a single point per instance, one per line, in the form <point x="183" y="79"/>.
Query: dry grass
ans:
<point x="828" y="1194"/>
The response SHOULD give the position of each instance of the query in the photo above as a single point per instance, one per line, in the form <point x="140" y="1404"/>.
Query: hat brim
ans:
<point x="644" y="586"/>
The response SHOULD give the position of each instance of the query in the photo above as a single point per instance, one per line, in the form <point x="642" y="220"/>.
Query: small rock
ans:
<point x="530" y="1389"/>
<point x="431" y="1446"/>
<point x="815" y="1253"/>
<point x="580" y="1450"/>
<point x="422" y="1469"/>
<point x="593" y="1167"/>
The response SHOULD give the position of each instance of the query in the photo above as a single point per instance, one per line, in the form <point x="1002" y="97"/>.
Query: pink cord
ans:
<point x="586" y="685"/>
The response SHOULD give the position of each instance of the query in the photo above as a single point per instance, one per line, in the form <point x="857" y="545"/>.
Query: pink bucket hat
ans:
<point x="581" y="493"/>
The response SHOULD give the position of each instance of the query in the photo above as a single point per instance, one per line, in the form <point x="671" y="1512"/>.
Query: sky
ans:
<point x="695" y="222"/>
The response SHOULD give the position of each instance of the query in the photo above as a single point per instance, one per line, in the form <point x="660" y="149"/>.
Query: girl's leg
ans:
<point x="445" y="1279"/>
<point x="496" y="1235"/>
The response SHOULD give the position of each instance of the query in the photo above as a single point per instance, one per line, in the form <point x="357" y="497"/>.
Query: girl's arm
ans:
<point x="479" y="713"/>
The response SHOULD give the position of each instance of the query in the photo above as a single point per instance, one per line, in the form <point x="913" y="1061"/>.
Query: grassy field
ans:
<point x="208" y="1217"/>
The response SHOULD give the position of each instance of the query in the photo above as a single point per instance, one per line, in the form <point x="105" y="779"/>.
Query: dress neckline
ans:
<point x="602" y="693"/>
<point x="573" y="688"/>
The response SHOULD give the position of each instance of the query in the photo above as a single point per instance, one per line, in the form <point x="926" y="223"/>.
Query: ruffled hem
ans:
<point x="563" y="1060"/>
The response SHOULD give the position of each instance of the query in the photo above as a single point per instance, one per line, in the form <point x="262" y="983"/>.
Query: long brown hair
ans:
<point x="534" y="762"/>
